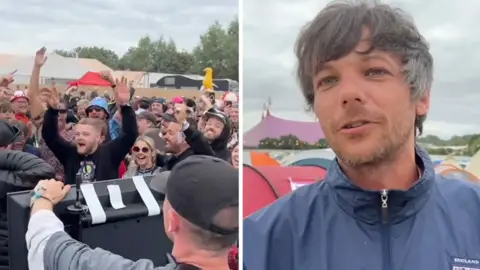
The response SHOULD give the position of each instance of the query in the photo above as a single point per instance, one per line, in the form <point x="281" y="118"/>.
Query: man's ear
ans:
<point x="423" y="105"/>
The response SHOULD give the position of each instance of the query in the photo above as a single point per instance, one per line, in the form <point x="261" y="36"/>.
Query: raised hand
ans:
<point x="6" y="80"/>
<point x="54" y="99"/>
<point x="180" y="112"/>
<point x="40" y="57"/>
<point x="122" y="91"/>
<point x="107" y="75"/>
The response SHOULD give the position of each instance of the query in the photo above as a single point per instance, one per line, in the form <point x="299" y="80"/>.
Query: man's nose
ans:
<point x="352" y="90"/>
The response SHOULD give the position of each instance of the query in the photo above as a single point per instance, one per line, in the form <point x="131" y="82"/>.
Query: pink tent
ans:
<point x="274" y="127"/>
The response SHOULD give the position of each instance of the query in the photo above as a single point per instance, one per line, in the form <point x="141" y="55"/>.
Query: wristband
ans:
<point x="37" y="194"/>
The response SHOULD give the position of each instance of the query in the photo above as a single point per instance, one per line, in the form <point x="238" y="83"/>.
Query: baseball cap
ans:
<point x="178" y="99"/>
<point x="169" y="117"/>
<point x="8" y="133"/>
<point x="148" y="116"/>
<point x="17" y="95"/>
<point x="198" y="188"/>
<point x="217" y="114"/>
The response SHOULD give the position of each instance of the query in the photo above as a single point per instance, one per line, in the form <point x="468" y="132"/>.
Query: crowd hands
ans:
<point x="100" y="138"/>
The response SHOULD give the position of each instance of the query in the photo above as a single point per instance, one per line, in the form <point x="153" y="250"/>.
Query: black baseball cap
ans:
<point x="198" y="188"/>
<point x="8" y="133"/>
<point x="217" y="114"/>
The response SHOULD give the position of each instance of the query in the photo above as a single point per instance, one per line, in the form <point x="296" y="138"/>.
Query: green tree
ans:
<point x="474" y="144"/>
<point x="106" y="56"/>
<point x="218" y="49"/>
<point x="139" y="58"/>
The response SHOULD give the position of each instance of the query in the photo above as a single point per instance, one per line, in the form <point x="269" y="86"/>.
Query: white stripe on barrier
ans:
<point x="146" y="195"/>
<point x="94" y="206"/>
<point x="115" y="195"/>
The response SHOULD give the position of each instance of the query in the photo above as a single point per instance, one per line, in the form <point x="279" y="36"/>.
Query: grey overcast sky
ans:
<point x="271" y="27"/>
<point x="114" y="24"/>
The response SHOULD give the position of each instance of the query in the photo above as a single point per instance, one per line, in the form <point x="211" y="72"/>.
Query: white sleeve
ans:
<point x="42" y="225"/>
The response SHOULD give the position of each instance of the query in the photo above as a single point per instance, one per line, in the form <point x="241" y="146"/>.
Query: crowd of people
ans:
<point x="45" y="134"/>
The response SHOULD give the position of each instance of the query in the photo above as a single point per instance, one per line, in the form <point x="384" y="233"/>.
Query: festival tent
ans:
<point x="264" y="184"/>
<point x="474" y="165"/>
<point x="91" y="78"/>
<point x="320" y="162"/>
<point x="450" y="160"/>
<point x="452" y="171"/>
<point x="274" y="127"/>
<point x="307" y="154"/>
<point x="459" y="173"/>
<point x="262" y="159"/>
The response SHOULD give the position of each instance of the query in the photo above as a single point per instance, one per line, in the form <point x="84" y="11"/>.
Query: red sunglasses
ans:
<point x="137" y="149"/>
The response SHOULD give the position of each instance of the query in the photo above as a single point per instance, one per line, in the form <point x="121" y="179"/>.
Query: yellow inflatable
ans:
<point x="208" y="80"/>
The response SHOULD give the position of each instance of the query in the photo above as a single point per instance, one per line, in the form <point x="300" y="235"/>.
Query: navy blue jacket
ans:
<point x="334" y="225"/>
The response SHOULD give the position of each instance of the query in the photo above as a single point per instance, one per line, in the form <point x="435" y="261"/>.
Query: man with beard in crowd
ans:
<point x="179" y="144"/>
<point x="90" y="157"/>
<point x="158" y="108"/>
<point x="216" y="131"/>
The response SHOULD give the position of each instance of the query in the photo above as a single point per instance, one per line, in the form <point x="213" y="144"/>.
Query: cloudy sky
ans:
<point x="115" y="24"/>
<point x="271" y="27"/>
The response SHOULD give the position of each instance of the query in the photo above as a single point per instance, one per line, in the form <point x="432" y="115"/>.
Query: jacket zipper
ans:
<point x="386" y="230"/>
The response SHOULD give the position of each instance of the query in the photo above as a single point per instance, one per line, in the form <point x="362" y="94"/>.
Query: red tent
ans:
<point x="91" y="78"/>
<point x="264" y="184"/>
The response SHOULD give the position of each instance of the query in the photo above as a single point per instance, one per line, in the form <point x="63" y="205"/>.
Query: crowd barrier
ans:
<point x="124" y="216"/>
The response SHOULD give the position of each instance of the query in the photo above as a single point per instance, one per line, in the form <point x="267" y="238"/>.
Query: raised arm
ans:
<point x="59" y="146"/>
<point x="36" y="105"/>
<point x="121" y="145"/>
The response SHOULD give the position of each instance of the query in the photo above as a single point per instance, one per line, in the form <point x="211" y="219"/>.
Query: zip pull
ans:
<point x="384" y="198"/>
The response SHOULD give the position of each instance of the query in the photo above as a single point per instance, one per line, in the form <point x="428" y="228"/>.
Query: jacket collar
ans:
<point x="366" y="205"/>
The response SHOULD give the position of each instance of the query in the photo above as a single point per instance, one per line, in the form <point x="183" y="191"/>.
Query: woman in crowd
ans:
<point x="143" y="158"/>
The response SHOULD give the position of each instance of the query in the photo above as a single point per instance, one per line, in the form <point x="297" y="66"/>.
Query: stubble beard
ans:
<point x="386" y="150"/>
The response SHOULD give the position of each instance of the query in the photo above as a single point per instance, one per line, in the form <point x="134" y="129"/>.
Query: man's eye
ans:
<point x="376" y="72"/>
<point x="327" y="81"/>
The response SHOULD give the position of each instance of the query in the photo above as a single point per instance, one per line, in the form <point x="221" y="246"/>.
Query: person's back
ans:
<point x="19" y="171"/>
<point x="427" y="227"/>
<point x="203" y="226"/>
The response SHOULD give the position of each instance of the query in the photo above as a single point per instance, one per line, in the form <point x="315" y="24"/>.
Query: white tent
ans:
<point x="63" y="69"/>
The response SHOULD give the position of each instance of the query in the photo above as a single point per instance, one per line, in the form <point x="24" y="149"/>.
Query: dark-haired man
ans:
<point x="366" y="72"/>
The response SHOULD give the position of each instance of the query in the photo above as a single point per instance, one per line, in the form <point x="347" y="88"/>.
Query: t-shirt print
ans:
<point x="87" y="171"/>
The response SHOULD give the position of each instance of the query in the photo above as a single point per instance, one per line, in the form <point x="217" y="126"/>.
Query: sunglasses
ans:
<point x="137" y="149"/>
<point x="97" y="109"/>
<point x="62" y="111"/>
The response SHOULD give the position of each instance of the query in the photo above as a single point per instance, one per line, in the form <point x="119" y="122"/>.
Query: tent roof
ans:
<point x="321" y="162"/>
<point x="306" y="154"/>
<point x="274" y="127"/>
<point x="57" y="67"/>
<point x="262" y="185"/>
<point x="91" y="78"/>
